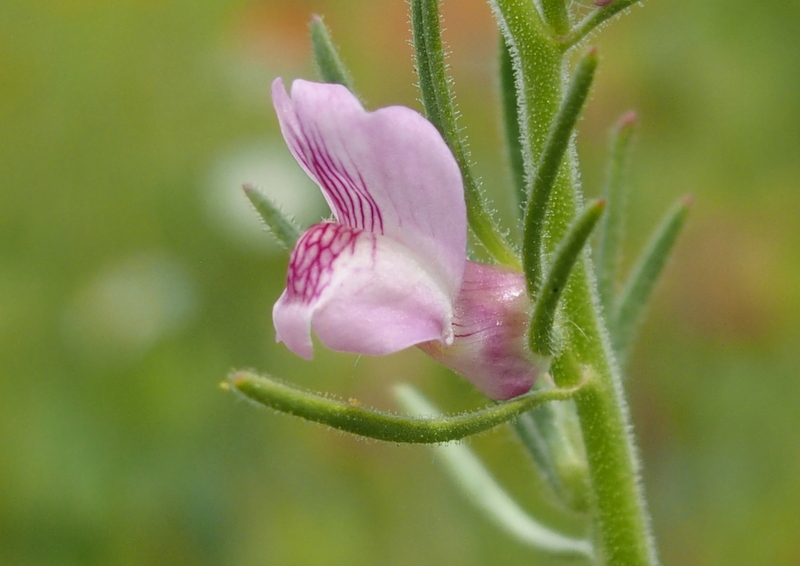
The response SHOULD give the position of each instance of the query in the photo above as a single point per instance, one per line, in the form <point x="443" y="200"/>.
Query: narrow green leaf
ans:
<point x="438" y="101"/>
<point x="484" y="491"/>
<point x="551" y="435"/>
<point x="353" y="418"/>
<point x="640" y="284"/>
<point x="547" y="169"/>
<point x="530" y="434"/>
<point x="542" y="339"/>
<point x="508" y="85"/>
<point x="605" y="10"/>
<point x="610" y="230"/>
<point x="428" y="82"/>
<point x="329" y="64"/>
<point x="530" y="428"/>
<point x="282" y="227"/>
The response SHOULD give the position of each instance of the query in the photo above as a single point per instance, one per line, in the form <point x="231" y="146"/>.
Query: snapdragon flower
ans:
<point x="390" y="271"/>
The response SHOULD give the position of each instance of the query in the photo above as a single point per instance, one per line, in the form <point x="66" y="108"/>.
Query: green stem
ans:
<point x="533" y="56"/>
<point x="620" y="518"/>
<point x="353" y="418"/>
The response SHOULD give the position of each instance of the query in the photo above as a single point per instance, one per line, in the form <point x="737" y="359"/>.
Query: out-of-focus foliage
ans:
<point x="133" y="276"/>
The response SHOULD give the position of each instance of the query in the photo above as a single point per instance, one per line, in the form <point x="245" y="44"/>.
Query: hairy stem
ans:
<point x="620" y="517"/>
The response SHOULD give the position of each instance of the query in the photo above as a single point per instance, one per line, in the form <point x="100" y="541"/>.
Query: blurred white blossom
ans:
<point x="271" y="170"/>
<point x="129" y="306"/>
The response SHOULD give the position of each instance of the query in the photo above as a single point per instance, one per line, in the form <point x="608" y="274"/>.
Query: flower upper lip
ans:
<point x="387" y="171"/>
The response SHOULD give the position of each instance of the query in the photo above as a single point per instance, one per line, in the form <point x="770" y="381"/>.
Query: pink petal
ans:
<point x="360" y="292"/>
<point x="491" y="322"/>
<point x="388" y="172"/>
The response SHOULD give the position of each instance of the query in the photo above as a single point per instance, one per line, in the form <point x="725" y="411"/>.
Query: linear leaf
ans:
<point x="438" y="101"/>
<point x="484" y="491"/>
<point x="556" y="15"/>
<point x="547" y="169"/>
<point x="640" y="284"/>
<point x="285" y="230"/>
<point x="611" y="227"/>
<point x="542" y="339"/>
<point x="329" y="64"/>
<point x="353" y="418"/>
<point x="605" y="10"/>
<point x="511" y="117"/>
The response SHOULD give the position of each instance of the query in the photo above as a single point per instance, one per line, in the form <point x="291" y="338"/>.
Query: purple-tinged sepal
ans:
<point x="492" y="313"/>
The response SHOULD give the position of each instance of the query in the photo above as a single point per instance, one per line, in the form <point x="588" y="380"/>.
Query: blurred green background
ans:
<point x="133" y="276"/>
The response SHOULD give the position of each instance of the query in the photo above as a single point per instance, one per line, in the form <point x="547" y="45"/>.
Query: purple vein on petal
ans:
<point x="352" y="198"/>
<point x="337" y="175"/>
<point x="470" y="333"/>
<point x="324" y="171"/>
<point x="312" y="260"/>
<point x="365" y="195"/>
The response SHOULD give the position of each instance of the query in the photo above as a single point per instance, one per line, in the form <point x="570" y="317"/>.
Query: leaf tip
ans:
<point x="597" y="207"/>
<point x="628" y="120"/>
<point x="588" y="63"/>
<point x="687" y="201"/>
<point x="235" y="380"/>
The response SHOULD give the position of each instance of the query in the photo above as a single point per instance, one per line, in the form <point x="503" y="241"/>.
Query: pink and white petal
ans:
<point x="491" y="322"/>
<point x="388" y="171"/>
<point x="361" y="293"/>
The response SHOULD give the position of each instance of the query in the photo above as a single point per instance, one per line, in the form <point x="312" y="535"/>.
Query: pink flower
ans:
<point x="391" y="271"/>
